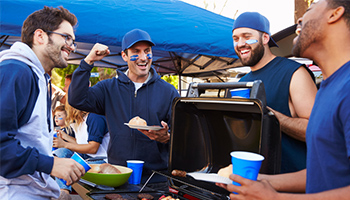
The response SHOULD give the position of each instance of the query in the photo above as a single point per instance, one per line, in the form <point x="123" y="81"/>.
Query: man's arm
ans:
<point x="263" y="190"/>
<point x="80" y="95"/>
<point x="16" y="106"/>
<point x="302" y="93"/>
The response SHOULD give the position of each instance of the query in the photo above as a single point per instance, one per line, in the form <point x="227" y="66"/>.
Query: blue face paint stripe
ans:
<point x="247" y="42"/>
<point x="149" y="56"/>
<point x="251" y="41"/>
<point x="60" y="118"/>
<point x="134" y="57"/>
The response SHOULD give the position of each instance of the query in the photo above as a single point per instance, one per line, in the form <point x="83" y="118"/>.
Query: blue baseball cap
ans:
<point x="254" y="21"/>
<point x="134" y="36"/>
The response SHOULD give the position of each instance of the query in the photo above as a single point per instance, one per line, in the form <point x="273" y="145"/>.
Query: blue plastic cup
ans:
<point x="136" y="166"/>
<point x="240" y="92"/>
<point x="55" y="136"/>
<point x="81" y="161"/>
<point x="246" y="164"/>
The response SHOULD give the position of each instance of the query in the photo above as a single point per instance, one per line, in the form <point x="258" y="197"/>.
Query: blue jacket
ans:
<point x="117" y="100"/>
<point x="26" y="126"/>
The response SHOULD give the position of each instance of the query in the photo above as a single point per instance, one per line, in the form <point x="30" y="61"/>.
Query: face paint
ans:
<point x="251" y="41"/>
<point x="60" y="118"/>
<point x="134" y="57"/>
<point x="149" y="56"/>
<point x="247" y="42"/>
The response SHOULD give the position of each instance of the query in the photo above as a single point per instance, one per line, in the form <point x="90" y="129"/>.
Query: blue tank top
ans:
<point x="276" y="76"/>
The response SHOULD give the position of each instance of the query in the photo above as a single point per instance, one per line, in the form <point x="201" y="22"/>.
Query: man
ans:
<point x="325" y="39"/>
<point x="290" y="87"/>
<point x="26" y="121"/>
<point x="138" y="91"/>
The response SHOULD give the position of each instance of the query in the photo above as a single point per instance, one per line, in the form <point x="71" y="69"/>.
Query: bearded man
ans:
<point x="290" y="86"/>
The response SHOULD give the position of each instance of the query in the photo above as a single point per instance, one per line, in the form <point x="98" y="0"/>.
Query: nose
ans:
<point x="143" y="56"/>
<point x="238" y="42"/>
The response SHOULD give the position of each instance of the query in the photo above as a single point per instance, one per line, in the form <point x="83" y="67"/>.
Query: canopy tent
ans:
<point x="189" y="40"/>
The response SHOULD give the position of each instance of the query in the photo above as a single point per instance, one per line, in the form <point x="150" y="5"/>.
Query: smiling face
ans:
<point x="139" y="59"/>
<point x="250" y="53"/>
<point x="57" y="51"/>
<point x="310" y="30"/>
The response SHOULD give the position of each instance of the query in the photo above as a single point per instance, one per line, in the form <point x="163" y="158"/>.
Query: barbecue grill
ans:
<point x="206" y="129"/>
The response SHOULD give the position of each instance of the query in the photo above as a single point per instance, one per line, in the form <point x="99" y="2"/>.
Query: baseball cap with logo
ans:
<point x="254" y="21"/>
<point x="134" y="36"/>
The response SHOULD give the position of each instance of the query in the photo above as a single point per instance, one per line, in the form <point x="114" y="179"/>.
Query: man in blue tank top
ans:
<point x="290" y="88"/>
<point x="325" y="39"/>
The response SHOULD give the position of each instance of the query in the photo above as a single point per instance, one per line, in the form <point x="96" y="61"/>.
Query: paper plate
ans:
<point x="210" y="177"/>
<point x="153" y="128"/>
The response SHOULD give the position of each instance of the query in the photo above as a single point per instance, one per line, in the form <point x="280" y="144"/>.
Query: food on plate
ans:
<point x="138" y="121"/>
<point x="226" y="171"/>
<point x="177" y="172"/>
<point x="145" y="196"/>
<point x="113" y="196"/>
<point x="167" y="198"/>
<point x="104" y="168"/>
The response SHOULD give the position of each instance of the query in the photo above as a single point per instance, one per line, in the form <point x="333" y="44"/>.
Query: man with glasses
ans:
<point x="138" y="91"/>
<point x="26" y="121"/>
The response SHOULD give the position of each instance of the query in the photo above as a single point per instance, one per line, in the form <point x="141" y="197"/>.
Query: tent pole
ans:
<point x="180" y="83"/>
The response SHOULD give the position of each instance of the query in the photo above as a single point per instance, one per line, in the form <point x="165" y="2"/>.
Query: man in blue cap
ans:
<point x="290" y="87"/>
<point x="138" y="91"/>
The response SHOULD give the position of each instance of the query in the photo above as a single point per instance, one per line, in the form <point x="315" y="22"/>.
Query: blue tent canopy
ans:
<point x="189" y="40"/>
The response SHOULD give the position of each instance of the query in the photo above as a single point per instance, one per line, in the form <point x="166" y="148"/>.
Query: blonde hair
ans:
<point x="74" y="115"/>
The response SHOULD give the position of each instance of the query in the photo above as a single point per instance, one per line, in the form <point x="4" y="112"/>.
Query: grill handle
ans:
<point x="257" y="89"/>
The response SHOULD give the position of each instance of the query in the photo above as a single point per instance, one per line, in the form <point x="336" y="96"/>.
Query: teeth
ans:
<point x="65" y="53"/>
<point x="244" y="51"/>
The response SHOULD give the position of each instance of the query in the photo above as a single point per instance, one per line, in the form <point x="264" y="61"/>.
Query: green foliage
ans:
<point x="172" y="79"/>
<point x="59" y="74"/>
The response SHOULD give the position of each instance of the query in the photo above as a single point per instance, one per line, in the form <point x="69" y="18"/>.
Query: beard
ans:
<point x="255" y="55"/>
<point x="309" y="34"/>
<point x="55" y="54"/>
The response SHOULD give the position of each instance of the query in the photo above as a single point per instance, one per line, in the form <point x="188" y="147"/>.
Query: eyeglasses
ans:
<point x="68" y="39"/>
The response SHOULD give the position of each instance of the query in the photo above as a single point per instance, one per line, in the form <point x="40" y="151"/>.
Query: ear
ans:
<point x="124" y="56"/>
<point x="39" y="37"/>
<point x="265" y="38"/>
<point x="336" y="14"/>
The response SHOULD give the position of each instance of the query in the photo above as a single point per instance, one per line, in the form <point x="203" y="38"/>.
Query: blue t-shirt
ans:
<point x="328" y="134"/>
<point x="276" y="76"/>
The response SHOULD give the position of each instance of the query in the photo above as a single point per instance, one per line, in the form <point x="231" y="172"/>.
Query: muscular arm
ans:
<point x="302" y="94"/>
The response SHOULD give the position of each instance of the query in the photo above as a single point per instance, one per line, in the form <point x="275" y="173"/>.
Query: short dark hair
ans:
<point x="47" y="19"/>
<point x="344" y="3"/>
<point x="69" y="76"/>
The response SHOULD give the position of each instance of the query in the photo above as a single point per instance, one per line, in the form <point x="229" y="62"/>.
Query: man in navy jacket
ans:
<point x="138" y="91"/>
<point x="26" y="124"/>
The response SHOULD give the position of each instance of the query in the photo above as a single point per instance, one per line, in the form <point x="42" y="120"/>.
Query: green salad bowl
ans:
<point x="112" y="180"/>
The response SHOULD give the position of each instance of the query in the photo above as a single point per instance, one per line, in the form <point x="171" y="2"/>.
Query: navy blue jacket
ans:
<point x="117" y="100"/>
<point x="18" y="95"/>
